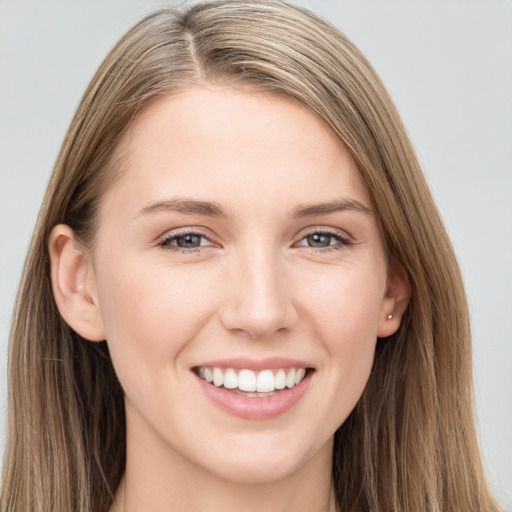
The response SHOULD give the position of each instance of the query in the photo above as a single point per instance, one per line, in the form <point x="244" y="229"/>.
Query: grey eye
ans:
<point x="189" y="241"/>
<point x="319" y="240"/>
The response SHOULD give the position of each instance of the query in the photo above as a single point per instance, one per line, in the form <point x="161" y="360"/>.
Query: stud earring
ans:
<point x="390" y="317"/>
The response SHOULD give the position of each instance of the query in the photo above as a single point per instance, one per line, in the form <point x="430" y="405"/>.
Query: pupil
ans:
<point x="189" y="241"/>
<point x="318" y="240"/>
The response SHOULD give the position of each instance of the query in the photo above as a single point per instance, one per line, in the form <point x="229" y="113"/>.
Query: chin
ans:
<point x="265" y="461"/>
<point x="250" y="471"/>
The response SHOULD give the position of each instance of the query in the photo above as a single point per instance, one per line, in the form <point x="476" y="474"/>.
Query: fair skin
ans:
<point x="178" y="287"/>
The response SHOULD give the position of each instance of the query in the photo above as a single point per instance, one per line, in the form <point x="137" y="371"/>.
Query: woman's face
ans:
<point x="238" y="244"/>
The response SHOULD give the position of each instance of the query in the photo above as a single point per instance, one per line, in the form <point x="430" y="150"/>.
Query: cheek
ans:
<point x="346" y="304"/>
<point x="345" y="312"/>
<point x="151" y="311"/>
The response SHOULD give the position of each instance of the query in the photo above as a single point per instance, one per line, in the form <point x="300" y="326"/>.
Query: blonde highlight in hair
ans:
<point x="410" y="444"/>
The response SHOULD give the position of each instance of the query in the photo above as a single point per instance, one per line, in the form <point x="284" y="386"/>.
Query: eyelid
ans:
<point x="343" y="238"/>
<point x="326" y="230"/>
<point x="164" y="240"/>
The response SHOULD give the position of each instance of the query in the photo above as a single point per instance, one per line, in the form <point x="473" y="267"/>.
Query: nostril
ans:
<point x="258" y="324"/>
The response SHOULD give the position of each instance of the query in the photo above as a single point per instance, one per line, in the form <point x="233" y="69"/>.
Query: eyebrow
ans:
<point x="339" y="205"/>
<point x="186" y="206"/>
<point x="214" y="209"/>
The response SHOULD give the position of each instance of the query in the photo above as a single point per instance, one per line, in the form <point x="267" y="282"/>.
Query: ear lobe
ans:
<point x="73" y="284"/>
<point x="396" y="300"/>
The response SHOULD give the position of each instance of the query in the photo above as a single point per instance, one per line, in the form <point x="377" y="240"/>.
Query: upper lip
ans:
<point x="268" y="363"/>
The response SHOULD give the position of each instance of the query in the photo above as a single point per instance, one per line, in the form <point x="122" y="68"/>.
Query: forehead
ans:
<point x="236" y="145"/>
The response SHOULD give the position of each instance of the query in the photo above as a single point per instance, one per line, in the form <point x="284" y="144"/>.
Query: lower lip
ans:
<point x="255" y="408"/>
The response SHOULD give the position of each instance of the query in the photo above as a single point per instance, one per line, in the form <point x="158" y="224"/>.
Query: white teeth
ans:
<point x="230" y="379"/>
<point x="218" y="377"/>
<point x="265" y="381"/>
<point x="290" y="378"/>
<point x="299" y="375"/>
<point x="280" y="380"/>
<point x="246" y="380"/>
<point x="250" y="382"/>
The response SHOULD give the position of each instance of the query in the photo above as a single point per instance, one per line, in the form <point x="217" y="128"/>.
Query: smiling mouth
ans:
<point x="254" y="384"/>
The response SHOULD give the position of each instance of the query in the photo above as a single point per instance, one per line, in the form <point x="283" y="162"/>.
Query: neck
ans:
<point x="160" y="479"/>
<point x="223" y="497"/>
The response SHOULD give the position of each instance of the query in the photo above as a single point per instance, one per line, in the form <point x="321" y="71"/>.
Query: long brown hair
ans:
<point x="409" y="444"/>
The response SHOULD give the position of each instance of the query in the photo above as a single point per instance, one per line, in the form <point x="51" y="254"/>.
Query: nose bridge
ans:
<point x="258" y="296"/>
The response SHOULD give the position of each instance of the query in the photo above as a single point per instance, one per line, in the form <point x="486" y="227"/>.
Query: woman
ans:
<point x="240" y="293"/>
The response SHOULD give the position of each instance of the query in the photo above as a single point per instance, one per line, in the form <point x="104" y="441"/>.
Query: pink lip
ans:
<point x="269" y="363"/>
<point x="254" y="408"/>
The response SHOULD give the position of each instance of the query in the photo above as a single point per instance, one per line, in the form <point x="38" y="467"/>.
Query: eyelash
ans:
<point x="343" y="241"/>
<point x="166" y="243"/>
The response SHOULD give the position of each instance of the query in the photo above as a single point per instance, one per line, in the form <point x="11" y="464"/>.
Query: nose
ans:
<point x="257" y="298"/>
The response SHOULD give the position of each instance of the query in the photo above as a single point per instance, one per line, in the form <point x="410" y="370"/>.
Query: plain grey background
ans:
<point x="448" y="66"/>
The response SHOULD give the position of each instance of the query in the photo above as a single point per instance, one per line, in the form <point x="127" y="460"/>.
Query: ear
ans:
<point x="74" y="284"/>
<point x="396" y="299"/>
